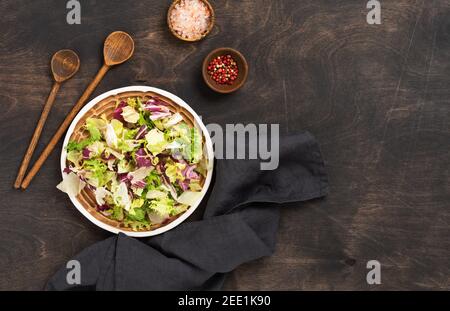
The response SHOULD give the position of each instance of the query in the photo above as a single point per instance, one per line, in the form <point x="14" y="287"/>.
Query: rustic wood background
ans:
<point x="376" y="97"/>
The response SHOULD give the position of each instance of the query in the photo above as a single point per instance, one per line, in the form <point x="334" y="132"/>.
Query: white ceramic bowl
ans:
<point x="208" y="153"/>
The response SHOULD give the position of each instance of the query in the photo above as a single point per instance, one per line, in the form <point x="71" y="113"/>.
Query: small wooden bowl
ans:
<point x="241" y="64"/>
<point x="210" y="27"/>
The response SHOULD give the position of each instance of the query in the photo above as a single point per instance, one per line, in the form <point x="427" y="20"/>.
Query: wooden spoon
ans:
<point x="118" y="48"/>
<point x="64" y="65"/>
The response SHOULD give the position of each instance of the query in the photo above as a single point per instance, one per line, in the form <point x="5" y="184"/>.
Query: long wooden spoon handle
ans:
<point x="66" y="123"/>
<point x="37" y="134"/>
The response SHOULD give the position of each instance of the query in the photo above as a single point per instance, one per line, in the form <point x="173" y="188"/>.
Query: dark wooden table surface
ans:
<point x="376" y="97"/>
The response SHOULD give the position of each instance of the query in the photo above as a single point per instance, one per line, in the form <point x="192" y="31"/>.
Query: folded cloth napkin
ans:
<point x="239" y="225"/>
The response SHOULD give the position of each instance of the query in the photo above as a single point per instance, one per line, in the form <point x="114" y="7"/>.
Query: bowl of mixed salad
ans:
<point x="136" y="160"/>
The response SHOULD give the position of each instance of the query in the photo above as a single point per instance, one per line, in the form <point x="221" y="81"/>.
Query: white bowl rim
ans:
<point x="209" y="151"/>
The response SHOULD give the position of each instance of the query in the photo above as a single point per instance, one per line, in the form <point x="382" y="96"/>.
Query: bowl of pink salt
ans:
<point x="190" y="20"/>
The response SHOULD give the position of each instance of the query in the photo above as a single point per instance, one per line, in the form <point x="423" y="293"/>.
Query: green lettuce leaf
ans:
<point x="96" y="147"/>
<point x="71" y="184"/>
<point x="156" y="142"/>
<point x="153" y="181"/>
<point x="137" y="214"/>
<point x="195" y="186"/>
<point x="124" y="166"/>
<point x="96" y="172"/>
<point x="95" y="127"/>
<point x="162" y="206"/>
<point x="129" y="134"/>
<point x="121" y="196"/>
<point x="189" y="197"/>
<point x="137" y="225"/>
<point x="196" y="151"/>
<point x="131" y="101"/>
<point x="178" y="209"/>
<point x="144" y="119"/>
<point x="174" y="171"/>
<point x="75" y="157"/>
<point x="117" y="213"/>
<point x="130" y="115"/>
<point x="156" y="194"/>
<point x="78" y="146"/>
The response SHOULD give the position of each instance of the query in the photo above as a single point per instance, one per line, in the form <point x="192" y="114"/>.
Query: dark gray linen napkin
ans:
<point x="239" y="225"/>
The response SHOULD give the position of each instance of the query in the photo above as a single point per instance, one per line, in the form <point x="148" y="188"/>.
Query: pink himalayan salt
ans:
<point x="190" y="18"/>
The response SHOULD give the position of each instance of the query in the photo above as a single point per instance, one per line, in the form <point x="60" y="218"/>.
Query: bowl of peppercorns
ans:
<point x="225" y="70"/>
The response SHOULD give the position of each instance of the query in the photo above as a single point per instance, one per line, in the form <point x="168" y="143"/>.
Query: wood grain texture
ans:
<point x="376" y="97"/>
<point x="36" y="135"/>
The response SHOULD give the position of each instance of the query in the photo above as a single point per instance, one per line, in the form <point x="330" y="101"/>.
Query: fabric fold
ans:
<point x="239" y="225"/>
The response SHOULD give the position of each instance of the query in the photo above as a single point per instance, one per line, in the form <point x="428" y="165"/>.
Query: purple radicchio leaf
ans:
<point x="139" y="184"/>
<point x="142" y="132"/>
<point x="166" y="182"/>
<point x="86" y="153"/>
<point x="123" y="177"/>
<point x="107" y="158"/>
<point x="143" y="159"/>
<point x="103" y="207"/>
<point x="156" y="101"/>
<point x="189" y="172"/>
<point x="158" y="108"/>
<point x="177" y="157"/>
<point x="117" y="114"/>
<point x="159" y="115"/>
<point x="183" y="185"/>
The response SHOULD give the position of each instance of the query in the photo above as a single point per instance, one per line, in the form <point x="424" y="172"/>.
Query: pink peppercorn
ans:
<point x="223" y="69"/>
